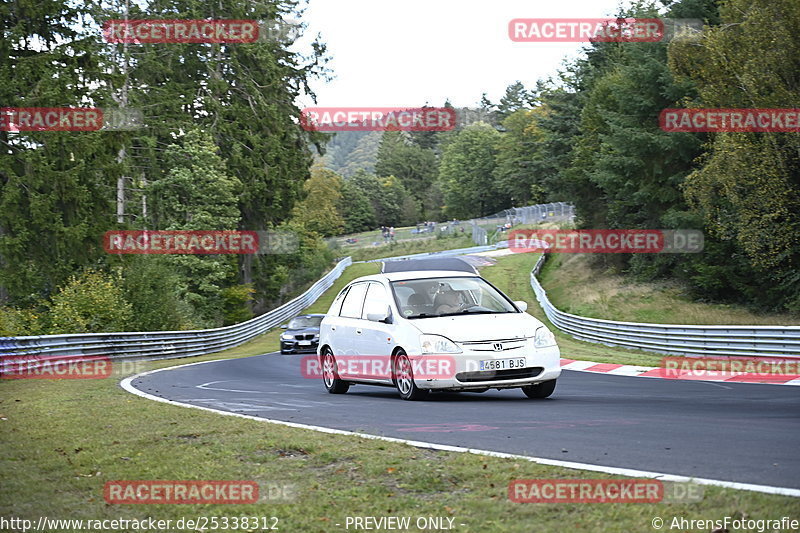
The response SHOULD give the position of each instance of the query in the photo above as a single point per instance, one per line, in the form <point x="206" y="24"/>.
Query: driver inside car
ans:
<point x="449" y="302"/>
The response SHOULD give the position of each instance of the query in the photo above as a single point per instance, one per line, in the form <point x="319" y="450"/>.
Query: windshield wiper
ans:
<point x="468" y="312"/>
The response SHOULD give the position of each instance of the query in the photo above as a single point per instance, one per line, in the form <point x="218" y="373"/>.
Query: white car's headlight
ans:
<point x="544" y="338"/>
<point x="438" y="344"/>
<point x="286" y="336"/>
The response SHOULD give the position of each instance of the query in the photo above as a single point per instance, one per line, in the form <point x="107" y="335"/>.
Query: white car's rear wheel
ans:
<point x="404" y="379"/>
<point x="330" y="378"/>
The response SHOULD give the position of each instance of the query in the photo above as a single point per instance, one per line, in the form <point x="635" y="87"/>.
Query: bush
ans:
<point x="235" y="303"/>
<point x="20" y="322"/>
<point x="93" y="302"/>
<point x="153" y="289"/>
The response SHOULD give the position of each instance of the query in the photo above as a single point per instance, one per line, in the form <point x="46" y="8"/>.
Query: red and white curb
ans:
<point x="678" y="374"/>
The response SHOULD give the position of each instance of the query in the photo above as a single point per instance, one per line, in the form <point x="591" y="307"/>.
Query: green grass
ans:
<point x="61" y="440"/>
<point x="411" y="247"/>
<point x="575" y="287"/>
<point x="352" y="272"/>
<point x="511" y="274"/>
<point x="366" y="239"/>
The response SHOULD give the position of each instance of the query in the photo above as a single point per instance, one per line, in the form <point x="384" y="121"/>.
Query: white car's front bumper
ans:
<point x="542" y="364"/>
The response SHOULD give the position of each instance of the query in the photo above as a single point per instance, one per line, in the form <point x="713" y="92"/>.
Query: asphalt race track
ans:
<point x="747" y="433"/>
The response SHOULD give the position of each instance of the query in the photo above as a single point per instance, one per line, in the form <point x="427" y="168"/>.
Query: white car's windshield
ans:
<point x="436" y="297"/>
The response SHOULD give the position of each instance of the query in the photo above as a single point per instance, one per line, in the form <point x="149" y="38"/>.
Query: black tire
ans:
<point x="284" y="352"/>
<point x="540" y="390"/>
<point x="330" y="377"/>
<point x="403" y="376"/>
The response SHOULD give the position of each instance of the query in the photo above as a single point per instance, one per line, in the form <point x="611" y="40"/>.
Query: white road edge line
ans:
<point x="766" y="489"/>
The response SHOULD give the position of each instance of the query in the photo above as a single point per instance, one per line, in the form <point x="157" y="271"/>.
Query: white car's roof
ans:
<point x="418" y="274"/>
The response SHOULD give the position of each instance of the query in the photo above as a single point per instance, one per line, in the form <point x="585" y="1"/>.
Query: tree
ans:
<point x="198" y="194"/>
<point x="515" y="98"/>
<point x="356" y="209"/>
<point x="412" y="164"/>
<point x="387" y="198"/>
<point x="559" y="123"/>
<point x="467" y="173"/>
<point x="748" y="187"/>
<point x="396" y="206"/>
<point x="517" y="172"/>
<point x="318" y="210"/>
<point x="364" y="154"/>
<point x="152" y="286"/>
<point x="350" y="151"/>
<point x="58" y="190"/>
<point x="245" y="96"/>
<point x="55" y="187"/>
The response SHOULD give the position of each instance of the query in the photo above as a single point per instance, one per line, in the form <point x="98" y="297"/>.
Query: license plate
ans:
<point x="503" y="364"/>
<point x="304" y="343"/>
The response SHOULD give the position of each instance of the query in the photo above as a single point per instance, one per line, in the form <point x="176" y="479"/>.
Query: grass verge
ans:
<point x="436" y="244"/>
<point x="575" y="287"/>
<point x="62" y="440"/>
<point x="511" y="274"/>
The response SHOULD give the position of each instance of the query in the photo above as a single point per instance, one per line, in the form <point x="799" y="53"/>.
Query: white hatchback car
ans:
<point x="434" y="330"/>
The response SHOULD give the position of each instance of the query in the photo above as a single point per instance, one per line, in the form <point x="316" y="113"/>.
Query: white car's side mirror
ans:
<point x="523" y="306"/>
<point x="380" y="316"/>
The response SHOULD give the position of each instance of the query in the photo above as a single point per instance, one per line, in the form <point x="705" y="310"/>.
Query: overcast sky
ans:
<point x="412" y="52"/>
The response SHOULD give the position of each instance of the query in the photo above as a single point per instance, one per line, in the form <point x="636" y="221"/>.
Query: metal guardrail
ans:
<point x="443" y="253"/>
<point x="165" y="344"/>
<point x="487" y="230"/>
<point x="727" y="341"/>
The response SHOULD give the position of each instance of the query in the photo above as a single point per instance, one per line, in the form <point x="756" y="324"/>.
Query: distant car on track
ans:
<point x="410" y="318"/>
<point x="301" y="335"/>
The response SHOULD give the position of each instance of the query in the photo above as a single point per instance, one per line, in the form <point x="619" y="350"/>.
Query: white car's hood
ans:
<point x="466" y="328"/>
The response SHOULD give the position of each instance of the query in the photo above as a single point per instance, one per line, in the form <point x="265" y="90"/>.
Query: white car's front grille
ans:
<point x="498" y="345"/>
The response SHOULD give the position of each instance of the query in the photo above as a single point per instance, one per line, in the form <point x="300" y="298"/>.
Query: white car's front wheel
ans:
<point x="330" y="377"/>
<point x="540" y="390"/>
<point x="404" y="378"/>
